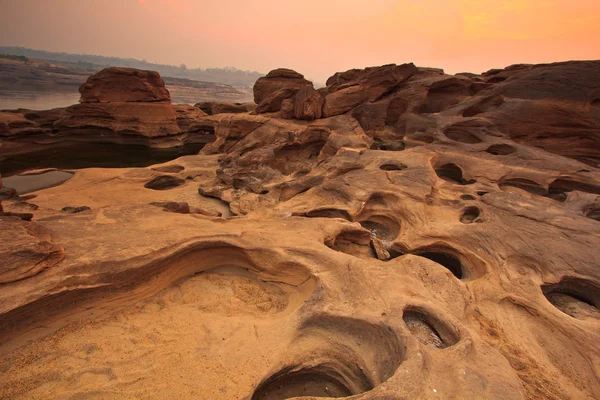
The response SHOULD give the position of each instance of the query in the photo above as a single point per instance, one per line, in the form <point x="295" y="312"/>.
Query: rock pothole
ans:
<point x="317" y="381"/>
<point x="164" y="182"/>
<point x="329" y="213"/>
<point x="452" y="173"/>
<point x="447" y="260"/>
<point x="429" y="330"/>
<point x="470" y="215"/>
<point x="500" y="149"/>
<point x="576" y="297"/>
<point x="355" y="243"/>
<point x="381" y="227"/>
<point x="393" y="167"/>
<point x="334" y="357"/>
<point x="459" y="135"/>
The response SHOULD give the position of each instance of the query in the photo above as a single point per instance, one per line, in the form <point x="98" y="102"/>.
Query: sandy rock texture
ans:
<point x="426" y="236"/>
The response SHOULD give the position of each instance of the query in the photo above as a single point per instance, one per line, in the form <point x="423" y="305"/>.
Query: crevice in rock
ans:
<point x="447" y="260"/>
<point x="164" y="182"/>
<point x="467" y="197"/>
<point x="593" y="213"/>
<point x="452" y="173"/>
<point x="524" y="184"/>
<point x="329" y="213"/>
<point x="429" y="330"/>
<point x="559" y="188"/>
<point x="393" y="167"/>
<point x="356" y="243"/>
<point x="459" y="135"/>
<point x="500" y="149"/>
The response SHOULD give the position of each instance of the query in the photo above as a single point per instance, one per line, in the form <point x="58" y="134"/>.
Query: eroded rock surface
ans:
<point x="416" y="240"/>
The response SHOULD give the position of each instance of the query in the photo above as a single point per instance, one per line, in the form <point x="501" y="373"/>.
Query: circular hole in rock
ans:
<point x="576" y="297"/>
<point x="164" y="182"/>
<point x="470" y="215"/>
<point x="450" y="261"/>
<point x="452" y="173"/>
<point x="467" y="197"/>
<point x="393" y="167"/>
<point x="429" y="330"/>
<point x="382" y="227"/>
<point x="335" y="357"/>
<point x="317" y="381"/>
<point x="500" y="149"/>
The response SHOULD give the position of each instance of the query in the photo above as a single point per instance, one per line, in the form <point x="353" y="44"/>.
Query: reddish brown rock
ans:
<point x="117" y="84"/>
<point x="221" y="107"/>
<point x="348" y="90"/>
<point x="276" y="86"/>
<point x="25" y="249"/>
<point x="308" y="104"/>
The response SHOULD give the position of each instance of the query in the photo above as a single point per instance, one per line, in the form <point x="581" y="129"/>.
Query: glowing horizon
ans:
<point x="316" y="38"/>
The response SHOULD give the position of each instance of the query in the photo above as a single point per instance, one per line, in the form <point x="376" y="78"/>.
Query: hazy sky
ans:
<point x="314" y="37"/>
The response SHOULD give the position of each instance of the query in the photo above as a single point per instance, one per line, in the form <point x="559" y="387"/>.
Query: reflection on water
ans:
<point x="10" y="100"/>
<point x="75" y="155"/>
<point x="30" y="183"/>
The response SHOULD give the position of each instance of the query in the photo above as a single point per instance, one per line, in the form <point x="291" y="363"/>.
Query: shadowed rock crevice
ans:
<point x="428" y="329"/>
<point x="447" y="260"/>
<point x="452" y="173"/>
<point x="524" y="184"/>
<point x="460" y="135"/>
<point x="393" y="167"/>
<point x="164" y="182"/>
<point x="470" y="215"/>
<point x="329" y="213"/>
<point x="576" y="297"/>
<point x="500" y="149"/>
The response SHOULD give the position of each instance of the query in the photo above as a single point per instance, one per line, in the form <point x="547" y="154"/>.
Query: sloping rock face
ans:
<point x="124" y="85"/>
<point x="412" y="247"/>
<point x="28" y="251"/>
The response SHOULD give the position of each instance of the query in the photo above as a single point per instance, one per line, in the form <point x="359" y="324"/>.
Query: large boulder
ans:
<point x="276" y="86"/>
<point x="124" y="85"/>
<point x="349" y="89"/>
<point x="119" y="102"/>
<point x="308" y="104"/>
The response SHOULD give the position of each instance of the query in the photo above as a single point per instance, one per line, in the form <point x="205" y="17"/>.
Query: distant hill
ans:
<point x="230" y="76"/>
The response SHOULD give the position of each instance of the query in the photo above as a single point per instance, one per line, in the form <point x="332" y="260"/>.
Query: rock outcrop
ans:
<point x="280" y="84"/>
<point x="435" y="238"/>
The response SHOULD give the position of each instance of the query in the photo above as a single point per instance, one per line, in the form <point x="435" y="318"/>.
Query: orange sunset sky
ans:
<point x="314" y="37"/>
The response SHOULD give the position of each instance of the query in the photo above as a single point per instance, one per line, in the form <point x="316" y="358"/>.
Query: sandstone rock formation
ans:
<point x="280" y="84"/>
<point x="124" y="84"/>
<point x="432" y="240"/>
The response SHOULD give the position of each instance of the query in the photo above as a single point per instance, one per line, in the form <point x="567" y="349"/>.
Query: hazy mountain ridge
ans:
<point x="227" y="75"/>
